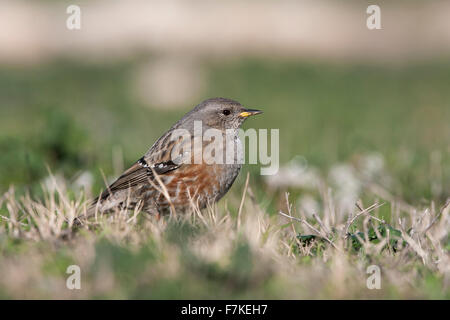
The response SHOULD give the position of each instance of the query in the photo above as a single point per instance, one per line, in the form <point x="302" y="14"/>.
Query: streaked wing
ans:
<point x="138" y="173"/>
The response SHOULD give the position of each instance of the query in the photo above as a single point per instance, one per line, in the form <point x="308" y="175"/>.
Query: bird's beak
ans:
<point x="249" y="112"/>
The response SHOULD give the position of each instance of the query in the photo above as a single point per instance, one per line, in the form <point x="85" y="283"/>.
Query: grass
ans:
<point x="222" y="252"/>
<point x="358" y="134"/>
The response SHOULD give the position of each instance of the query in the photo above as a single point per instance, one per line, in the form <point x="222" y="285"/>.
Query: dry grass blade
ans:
<point x="445" y="210"/>
<point x="319" y="234"/>
<point x="361" y="212"/>
<point x="241" y="205"/>
<point x="163" y="190"/>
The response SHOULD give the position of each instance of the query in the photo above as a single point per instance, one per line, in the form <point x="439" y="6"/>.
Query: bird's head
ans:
<point x="221" y="113"/>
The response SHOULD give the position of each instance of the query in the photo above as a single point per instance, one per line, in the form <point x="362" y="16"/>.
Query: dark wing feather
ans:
<point x="138" y="173"/>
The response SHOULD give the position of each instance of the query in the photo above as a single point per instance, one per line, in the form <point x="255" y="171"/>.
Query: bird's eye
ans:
<point x="226" y="112"/>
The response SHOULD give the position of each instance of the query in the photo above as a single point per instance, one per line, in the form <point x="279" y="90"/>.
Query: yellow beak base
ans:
<point x="249" y="112"/>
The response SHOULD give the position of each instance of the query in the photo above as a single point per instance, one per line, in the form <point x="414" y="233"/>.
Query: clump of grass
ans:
<point x="234" y="250"/>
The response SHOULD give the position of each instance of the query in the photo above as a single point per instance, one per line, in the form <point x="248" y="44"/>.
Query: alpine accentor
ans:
<point x="169" y="178"/>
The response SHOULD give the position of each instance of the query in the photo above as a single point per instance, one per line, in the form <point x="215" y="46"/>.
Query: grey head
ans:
<point x="218" y="113"/>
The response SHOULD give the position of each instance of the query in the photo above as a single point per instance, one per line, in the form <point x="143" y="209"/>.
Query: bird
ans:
<point x="177" y="172"/>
